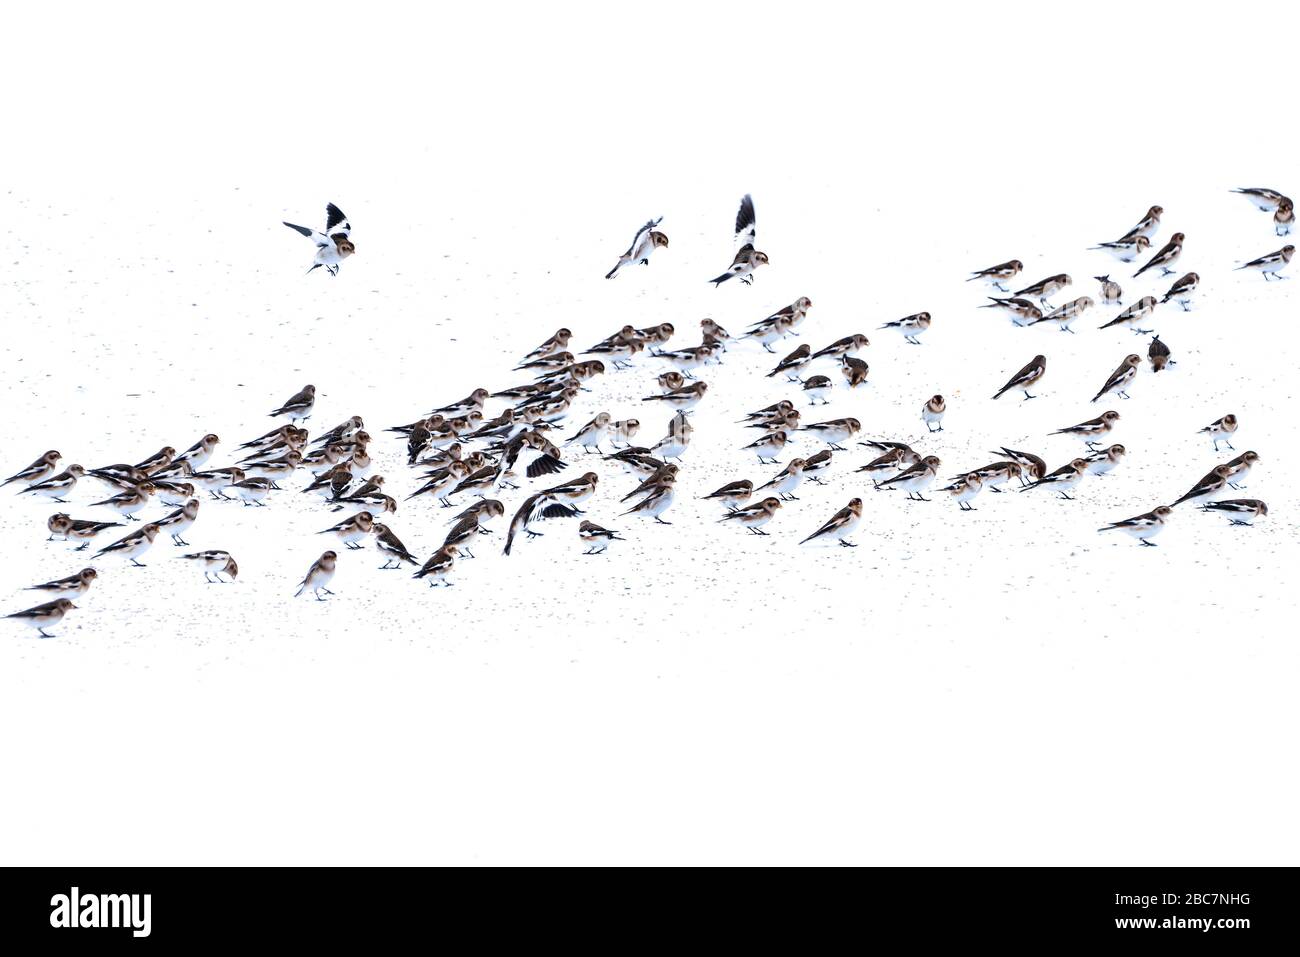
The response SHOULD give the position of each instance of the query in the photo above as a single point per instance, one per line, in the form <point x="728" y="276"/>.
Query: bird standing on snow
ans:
<point x="1133" y="315"/>
<point x="932" y="412"/>
<point x="1092" y="431"/>
<point x="1121" y="377"/>
<point x="1220" y="429"/>
<point x="1033" y="371"/>
<point x="42" y="467"/>
<point x="77" y="584"/>
<point x="841" y="525"/>
<point x="1181" y="291"/>
<point x="1147" y="225"/>
<point x="1261" y="197"/>
<point x="1167" y="256"/>
<point x="995" y="276"/>
<point x="332" y="246"/>
<point x="1272" y="264"/>
<point x="1158" y="353"/>
<point x="1045" y="288"/>
<point x="44" y="616"/>
<point x="1236" y="507"/>
<point x="214" y="561"/>
<point x="1142" y="527"/>
<point x="132" y="546"/>
<point x="298" y="406"/>
<point x="646" y="241"/>
<point x="319" y="576"/>
<point x="909" y="327"/>
<point x="1111" y="292"/>
<point x="1125" y="250"/>
<point x="596" y="539"/>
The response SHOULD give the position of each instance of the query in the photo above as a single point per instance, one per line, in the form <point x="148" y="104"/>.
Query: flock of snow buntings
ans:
<point x="518" y="439"/>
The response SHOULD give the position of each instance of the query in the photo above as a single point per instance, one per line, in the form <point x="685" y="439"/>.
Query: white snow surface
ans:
<point x="999" y="686"/>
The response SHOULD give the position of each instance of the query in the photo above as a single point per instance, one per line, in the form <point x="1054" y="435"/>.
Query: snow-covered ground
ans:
<point x="999" y="686"/>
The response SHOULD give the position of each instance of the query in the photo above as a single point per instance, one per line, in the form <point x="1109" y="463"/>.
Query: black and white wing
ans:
<point x="336" y="224"/>
<point x="745" y="235"/>
<point x="636" y="240"/>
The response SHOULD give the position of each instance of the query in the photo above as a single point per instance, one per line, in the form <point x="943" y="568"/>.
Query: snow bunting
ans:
<point x="677" y="441"/>
<point x="747" y="257"/>
<point x="932" y="413"/>
<point x="817" y="387"/>
<point x="298" y="406"/>
<point x="993" y="476"/>
<point x="1045" y="288"/>
<point x="178" y="522"/>
<point x="1033" y="371"/>
<point x="794" y="314"/>
<point x="1125" y="250"/>
<point x="1067" y="313"/>
<point x="792" y="363"/>
<point x="685" y="361"/>
<point x="352" y="529"/>
<point x="1159" y="355"/>
<point x="965" y="489"/>
<point x="890" y="462"/>
<point x="997" y="275"/>
<point x="1104" y="461"/>
<point x="77" y="584"/>
<point x="333" y="245"/>
<point x="592" y="434"/>
<point x="1022" y="312"/>
<point x="387" y="542"/>
<point x="1111" y="292"/>
<point x="657" y="502"/>
<point x="1284" y="218"/>
<point x="69" y="528"/>
<point x="1142" y="527"/>
<point x="855" y="371"/>
<point x="1239" y="468"/>
<point x="670" y="380"/>
<point x="755" y="516"/>
<point x="1091" y="432"/>
<point x="783" y="484"/>
<point x="769" y="446"/>
<point x="132" y="546"/>
<point x="481" y="511"/>
<point x="1166" y="257"/>
<point x="621" y="351"/>
<point x="438" y="566"/>
<point x="768" y="412"/>
<point x="196" y="456"/>
<point x="214" y="562"/>
<point x="914" y="479"/>
<point x="665" y="472"/>
<point x="596" y="538"/>
<point x="1133" y="315"/>
<point x="1272" y="264"/>
<point x="471" y="403"/>
<point x="1220" y="429"/>
<point x="909" y="327"/>
<point x="1063" y="480"/>
<point x="1121" y="378"/>
<point x="44" y="616"/>
<point x="1181" y="291"/>
<point x="733" y="494"/>
<point x="553" y="346"/>
<point x="41" y="468"/>
<point x="683" y="399"/>
<point x="848" y="346"/>
<point x="712" y="332"/>
<point x="129" y="502"/>
<point x="319" y="576"/>
<point x="1031" y="466"/>
<point x="1210" y="484"/>
<point x="841" y="525"/>
<point x="464" y="532"/>
<point x="834" y="431"/>
<point x="646" y="241"/>
<point x="57" y="486"/>
<point x="1147" y="226"/>
<point x="1236" y="508"/>
<point x="768" y="333"/>
<point x="816" y="463"/>
<point x="544" y="364"/>
<point x="1261" y="197"/>
<point x="574" y="492"/>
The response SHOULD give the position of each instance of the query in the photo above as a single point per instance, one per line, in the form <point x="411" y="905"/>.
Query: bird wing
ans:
<point x="336" y="223"/>
<point x="745" y="233"/>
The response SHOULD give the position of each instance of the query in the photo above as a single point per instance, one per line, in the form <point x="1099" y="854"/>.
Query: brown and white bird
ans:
<point x="792" y="363"/>
<point x="1239" y="468"/>
<point x="1111" y="292"/>
<point x="769" y="446"/>
<point x="1284" y="218"/>
<point x="319" y="576"/>
<point x="1220" y="430"/>
<point x="645" y="242"/>
<point x="1063" y="480"/>
<point x="964" y="490"/>
<point x="1241" y="511"/>
<point x="841" y="525"/>
<point x="915" y="479"/>
<point x="596" y="538"/>
<point x="44" y="616"/>
<point x="1182" y="290"/>
<point x="1022" y="312"/>
<point x="683" y="399"/>
<point x="733" y="494"/>
<point x="1166" y="257"/>
<point x="1093" y="431"/>
<point x="1143" y="527"/>
<point x="847" y="346"/>
<point x="1045" y="288"/>
<point x="1133" y="315"/>
<point x="298" y="406"/>
<point x="1272" y="264"/>
<point x="855" y="371"/>
<point x="1105" y="461"/>
<point x="1148" y="225"/>
<point x="214" y="562"/>
<point x="592" y="434"/>
<point x="334" y="244"/>
<point x="57" y="486"/>
<point x="1210" y="485"/>
<point x="553" y="346"/>
<point x="747" y="257"/>
<point x="42" y="468"/>
<point x="816" y="388"/>
<point x="77" y="584"/>
<point x="352" y="529"/>
<point x="1032" y="372"/>
<point x="394" y="552"/>
<point x="132" y="546"/>
<point x="658" y="501"/>
<point x="1125" y="250"/>
<point x="1121" y="378"/>
<point x="438" y="566"/>
<point x="69" y="528"/>
<point x="1261" y="197"/>
<point x="909" y="327"/>
<point x="1158" y="354"/>
<point x="754" y="517"/>
<point x="932" y="413"/>
<point x="1067" y="313"/>
<point x="834" y="431"/>
<point x="997" y="276"/>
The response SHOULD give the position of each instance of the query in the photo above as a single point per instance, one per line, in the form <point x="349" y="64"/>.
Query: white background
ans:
<point x="1004" y="686"/>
